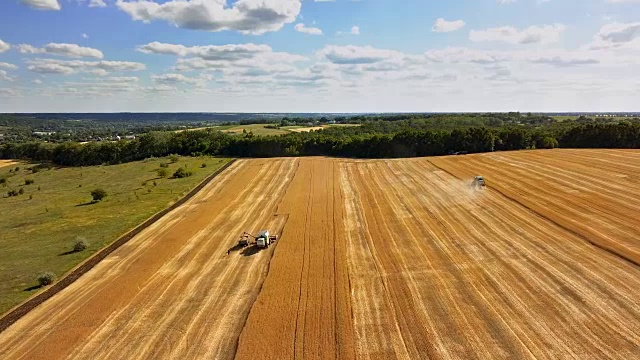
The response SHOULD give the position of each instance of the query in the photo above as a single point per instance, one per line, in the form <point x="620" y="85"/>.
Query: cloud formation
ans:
<point x="67" y="67"/>
<point x="42" y="4"/>
<point x="245" y="16"/>
<point x="542" y="34"/>
<point x="68" y="50"/>
<point x="441" y="25"/>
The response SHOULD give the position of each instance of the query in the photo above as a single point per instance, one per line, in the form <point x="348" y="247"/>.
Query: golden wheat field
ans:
<point x="376" y="259"/>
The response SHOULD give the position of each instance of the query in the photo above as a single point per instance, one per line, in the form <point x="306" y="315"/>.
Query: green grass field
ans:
<point x="39" y="227"/>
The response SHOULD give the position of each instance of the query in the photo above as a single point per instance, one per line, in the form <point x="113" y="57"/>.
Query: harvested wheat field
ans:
<point x="378" y="259"/>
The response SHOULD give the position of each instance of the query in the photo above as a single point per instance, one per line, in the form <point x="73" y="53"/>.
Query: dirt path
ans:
<point x="171" y="292"/>
<point x="4" y="163"/>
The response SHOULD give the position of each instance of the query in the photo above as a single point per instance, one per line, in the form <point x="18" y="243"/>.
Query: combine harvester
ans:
<point x="478" y="183"/>
<point x="262" y="241"/>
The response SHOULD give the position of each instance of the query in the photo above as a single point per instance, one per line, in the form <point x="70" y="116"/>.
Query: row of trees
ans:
<point x="408" y="142"/>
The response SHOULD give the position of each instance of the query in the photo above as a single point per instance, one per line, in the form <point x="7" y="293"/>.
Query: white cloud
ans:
<point x="172" y="79"/>
<point x="542" y="34"/>
<point x="623" y="1"/>
<point x="4" y="65"/>
<point x="42" y="4"/>
<point x="442" y="25"/>
<point x="37" y="81"/>
<point x="4" y="46"/>
<point x="4" y="76"/>
<point x="357" y="55"/>
<point x="355" y="30"/>
<point x="463" y="55"/>
<point x="208" y="52"/>
<point x="505" y="1"/>
<point x="97" y="3"/>
<point x="307" y="30"/>
<point x="51" y="66"/>
<point x="245" y="16"/>
<point x="617" y="35"/>
<point x="68" y="50"/>
<point x="85" y="36"/>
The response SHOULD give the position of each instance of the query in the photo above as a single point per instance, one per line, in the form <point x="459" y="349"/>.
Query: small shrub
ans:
<point x="34" y="169"/>
<point x="3" y="181"/>
<point x="173" y="158"/>
<point x="80" y="245"/>
<point x="204" y="165"/>
<point x="21" y="191"/>
<point x="30" y="197"/>
<point x="46" y="278"/>
<point x="17" y="169"/>
<point x="98" y="194"/>
<point x="162" y="173"/>
<point x="39" y="188"/>
<point x="11" y="193"/>
<point x="181" y="173"/>
<point x="28" y="181"/>
<point x="155" y="184"/>
<point x="164" y="165"/>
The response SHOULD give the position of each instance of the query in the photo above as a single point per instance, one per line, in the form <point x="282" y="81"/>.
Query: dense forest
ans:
<point x="377" y="137"/>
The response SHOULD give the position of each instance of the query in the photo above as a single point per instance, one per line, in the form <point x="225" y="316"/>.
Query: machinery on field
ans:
<point x="262" y="241"/>
<point x="478" y="182"/>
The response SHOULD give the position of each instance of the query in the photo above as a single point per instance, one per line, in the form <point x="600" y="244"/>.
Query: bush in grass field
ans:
<point x="181" y="173"/>
<point x="204" y="165"/>
<point x="164" y="165"/>
<point x="173" y="158"/>
<point x="46" y="278"/>
<point x="80" y="245"/>
<point x="12" y="193"/>
<point x="98" y="194"/>
<point x="162" y="173"/>
<point x="21" y="191"/>
<point x="28" y="181"/>
<point x="3" y="181"/>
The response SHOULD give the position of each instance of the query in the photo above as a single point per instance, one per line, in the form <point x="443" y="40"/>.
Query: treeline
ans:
<point x="405" y="143"/>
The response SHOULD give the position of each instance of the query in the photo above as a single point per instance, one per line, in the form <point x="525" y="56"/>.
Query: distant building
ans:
<point x="43" y="133"/>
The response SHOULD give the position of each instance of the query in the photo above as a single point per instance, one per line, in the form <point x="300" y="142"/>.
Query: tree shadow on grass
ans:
<point x="34" y="287"/>
<point x="67" y="253"/>
<point x="88" y="203"/>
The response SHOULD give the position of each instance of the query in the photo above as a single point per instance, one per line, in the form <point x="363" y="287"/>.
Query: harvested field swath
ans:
<point x="438" y="270"/>
<point x="594" y="193"/>
<point x="303" y="310"/>
<point x="172" y="291"/>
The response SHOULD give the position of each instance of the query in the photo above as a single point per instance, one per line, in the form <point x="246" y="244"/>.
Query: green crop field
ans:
<point x="39" y="227"/>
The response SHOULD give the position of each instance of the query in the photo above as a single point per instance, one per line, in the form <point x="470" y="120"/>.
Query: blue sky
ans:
<point x="319" y="56"/>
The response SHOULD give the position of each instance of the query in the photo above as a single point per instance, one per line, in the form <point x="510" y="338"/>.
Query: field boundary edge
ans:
<point x="15" y="314"/>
